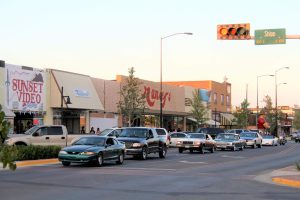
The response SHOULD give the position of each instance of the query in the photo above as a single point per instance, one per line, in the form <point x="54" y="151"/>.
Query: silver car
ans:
<point x="253" y="139"/>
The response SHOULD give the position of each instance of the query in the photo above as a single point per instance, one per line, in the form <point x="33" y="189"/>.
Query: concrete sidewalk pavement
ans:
<point x="27" y="163"/>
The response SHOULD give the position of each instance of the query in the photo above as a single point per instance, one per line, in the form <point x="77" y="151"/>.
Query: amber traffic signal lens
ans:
<point x="223" y="31"/>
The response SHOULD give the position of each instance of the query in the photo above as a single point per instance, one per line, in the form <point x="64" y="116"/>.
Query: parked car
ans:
<point x="270" y="140"/>
<point x="164" y="135"/>
<point x="111" y="132"/>
<point x="213" y="132"/>
<point x="238" y="131"/>
<point x="93" y="149"/>
<point x="141" y="141"/>
<point x="253" y="139"/>
<point x="230" y="141"/>
<point x="174" y="137"/>
<point x="43" y="135"/>
<point x="294" y="135"/>
<point x="196" y="142"/>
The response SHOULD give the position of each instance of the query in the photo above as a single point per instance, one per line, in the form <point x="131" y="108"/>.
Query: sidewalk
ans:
<point x="288" y="176"/>
<point x="26" y="163"/>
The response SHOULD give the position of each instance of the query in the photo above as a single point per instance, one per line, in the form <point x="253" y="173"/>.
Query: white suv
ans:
<point x="164" y="135"/>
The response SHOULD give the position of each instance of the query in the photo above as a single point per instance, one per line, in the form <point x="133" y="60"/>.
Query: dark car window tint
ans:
<point x="54" y="131"/>
<point x="180" y="135"/>
<point x="160" y="132"/>
<point x="174" y="135"/>
<point x="91" y="141"/>
<point x="201" y="136"/>
<point x="135" y="132"/>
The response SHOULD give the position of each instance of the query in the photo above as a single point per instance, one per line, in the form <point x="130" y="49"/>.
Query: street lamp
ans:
<point x="276" y="110"/>
<point x="62" y="99"/>
<point x="257" y="107"/>
<point x="161" y="39"/>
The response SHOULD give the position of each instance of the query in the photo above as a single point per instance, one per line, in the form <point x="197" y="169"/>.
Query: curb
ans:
<point x="287" y="182"/>
<point x="36" y="162"/>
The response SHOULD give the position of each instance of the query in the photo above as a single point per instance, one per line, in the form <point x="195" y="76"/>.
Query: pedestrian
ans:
<point x="82" y="130"/>
<point x="98" y="131"/>
<point x="92" y="130"/>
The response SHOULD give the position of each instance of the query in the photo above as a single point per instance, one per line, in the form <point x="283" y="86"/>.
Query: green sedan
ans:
<point x="93" y="149"/>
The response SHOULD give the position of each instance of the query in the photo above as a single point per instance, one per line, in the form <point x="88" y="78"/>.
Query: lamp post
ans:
<point x="257" y="107"/>
<point x="276" y="110"/>
<point x="62" y="99"/>
<point x="161" y="40"/>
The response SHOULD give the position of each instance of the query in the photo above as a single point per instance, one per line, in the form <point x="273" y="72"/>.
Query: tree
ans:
<point x="296" y="122"/>
<point x="270" y="113"/>
<point x="132" y="103"/>
<point x="7" y="154"/>
<point x="242" y="114"/>
<point x="199" y="110"/>
<point x="4" y="126"/>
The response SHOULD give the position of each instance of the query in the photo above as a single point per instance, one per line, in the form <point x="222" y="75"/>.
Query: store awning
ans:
<point x="208" y="122"/>
<point x="227" y="119"/>
<point x="8" y="113"/>
<point x="79" y="88"/>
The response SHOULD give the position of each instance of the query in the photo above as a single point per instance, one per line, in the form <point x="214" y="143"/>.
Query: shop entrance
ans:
<point x="22" y="122"/>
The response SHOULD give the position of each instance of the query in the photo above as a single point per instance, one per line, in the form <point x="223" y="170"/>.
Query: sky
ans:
<point x="104" y="38"/>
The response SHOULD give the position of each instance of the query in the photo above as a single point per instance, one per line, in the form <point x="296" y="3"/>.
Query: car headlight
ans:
<point x="63" y="152"/>
<point x="137" y="145"/>
<point x="88" y="153"/>
<point x="229" y="143"/>
<point x="197" y="143"/>
<point x="178" y="142"/>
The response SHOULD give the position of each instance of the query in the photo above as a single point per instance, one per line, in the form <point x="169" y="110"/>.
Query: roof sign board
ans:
<point x="270" y="36"/>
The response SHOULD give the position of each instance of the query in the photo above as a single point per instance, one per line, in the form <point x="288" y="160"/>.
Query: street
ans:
<point x="219" y="175"/>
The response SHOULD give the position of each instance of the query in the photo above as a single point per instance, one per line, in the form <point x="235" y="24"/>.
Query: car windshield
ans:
<point x="97" y="141"/>
<point x="251" y="135"/>
<point x="226" y="137"/>
<point x="201" y="136"/>
<point x="31" y="130"/>
<point x="134" y="132"/>
<point x="106" y="131"/>
<point x="268" y="136"/>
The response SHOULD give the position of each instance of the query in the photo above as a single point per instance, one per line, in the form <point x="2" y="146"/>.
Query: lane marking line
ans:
<point x="192" y="162"/>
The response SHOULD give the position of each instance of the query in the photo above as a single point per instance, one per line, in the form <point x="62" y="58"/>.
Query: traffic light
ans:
<point x="233" y="32"/>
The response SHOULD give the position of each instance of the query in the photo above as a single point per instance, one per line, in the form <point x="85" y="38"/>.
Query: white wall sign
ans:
<point x="24" y="89"/>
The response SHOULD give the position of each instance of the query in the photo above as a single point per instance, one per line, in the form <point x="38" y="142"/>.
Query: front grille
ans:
<point x="187" y="142"/>
<point x="128" y="144"/>
<point x="73" y="153"/>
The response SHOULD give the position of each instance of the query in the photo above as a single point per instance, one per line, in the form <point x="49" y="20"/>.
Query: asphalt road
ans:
<point x="219" y="175"/>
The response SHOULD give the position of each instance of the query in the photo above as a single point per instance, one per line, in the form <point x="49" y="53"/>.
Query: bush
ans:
<point x="19" y="153"/>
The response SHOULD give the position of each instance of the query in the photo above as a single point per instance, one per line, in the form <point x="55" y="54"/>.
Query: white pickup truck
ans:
<point x="43" y="135"/>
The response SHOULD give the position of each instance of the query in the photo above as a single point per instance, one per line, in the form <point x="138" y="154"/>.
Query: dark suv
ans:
<point x="213" y="132"/>
<point x="141" y="141"/>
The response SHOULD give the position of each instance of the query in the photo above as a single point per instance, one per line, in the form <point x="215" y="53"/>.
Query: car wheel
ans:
<point x="191" y="150"/>
<point x="180" y="150"/>
<point x="65" y="163"/>
<point x="242" y="148"/>
<point x="144" y="153"/>
<point x="259" y="146"/>
<point x="100" y="160"/>
<point x="163" y="152"/>
<point x="120" y="159"/>
<point x="234" y="148"/>
<point x="201" y="150"/>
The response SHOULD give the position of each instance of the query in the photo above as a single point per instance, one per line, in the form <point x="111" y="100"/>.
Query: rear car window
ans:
<point x="161" y="132"/>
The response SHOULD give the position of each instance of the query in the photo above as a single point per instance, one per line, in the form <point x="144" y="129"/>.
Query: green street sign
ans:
<point x="270" y="36"/>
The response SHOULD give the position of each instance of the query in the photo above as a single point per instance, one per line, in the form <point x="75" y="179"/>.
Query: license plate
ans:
<point x="187" y="146"/>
